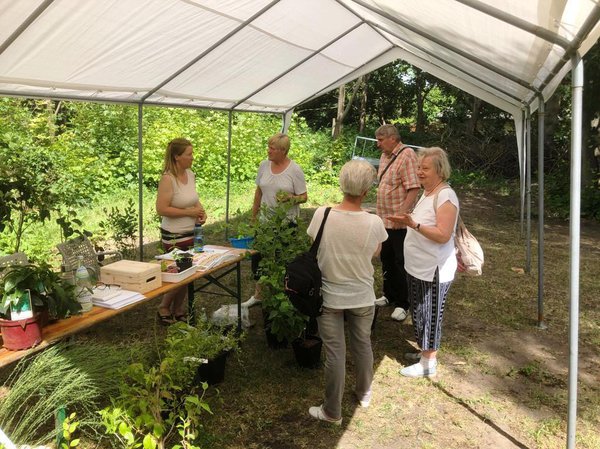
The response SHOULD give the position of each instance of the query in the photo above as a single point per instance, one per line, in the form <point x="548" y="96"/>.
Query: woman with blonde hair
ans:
<point x="178" y="204"/>
<point x="429" y="256"/>
<point x="279" y="180"/>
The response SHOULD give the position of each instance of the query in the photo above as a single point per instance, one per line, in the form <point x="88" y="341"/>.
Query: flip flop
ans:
<point x="165" y="320"/>
<point x="183" y="318"/>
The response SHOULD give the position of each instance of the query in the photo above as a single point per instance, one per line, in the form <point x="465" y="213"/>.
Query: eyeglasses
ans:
<point x="107" y="287"/>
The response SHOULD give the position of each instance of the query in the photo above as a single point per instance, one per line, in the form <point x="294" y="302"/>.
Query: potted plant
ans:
<point x="204" y="347"/>
<point x="278" y="243"/>
<point x="49" y="292"/>
<point x="240" y="231"/>
<point x="50" y="297"/>
<point x="243" y="235"/>
<point x="183" y="260"/>
<point x="307" y="350"/>
<point x="155" y="407"/>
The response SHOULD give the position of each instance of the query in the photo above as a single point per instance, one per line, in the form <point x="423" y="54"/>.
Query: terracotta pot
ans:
<point x="21" y="334"/>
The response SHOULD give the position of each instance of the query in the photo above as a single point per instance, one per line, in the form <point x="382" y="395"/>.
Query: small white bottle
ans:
<point x="84" y="286"/>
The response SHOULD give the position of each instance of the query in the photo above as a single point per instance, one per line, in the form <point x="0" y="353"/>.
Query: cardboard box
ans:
<point x="131" y="275"/>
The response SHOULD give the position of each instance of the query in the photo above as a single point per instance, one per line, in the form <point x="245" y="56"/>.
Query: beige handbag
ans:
<point x="469" y="253"/>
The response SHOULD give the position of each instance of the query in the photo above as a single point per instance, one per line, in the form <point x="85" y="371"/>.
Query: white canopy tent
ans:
<point x="271" y="55"/>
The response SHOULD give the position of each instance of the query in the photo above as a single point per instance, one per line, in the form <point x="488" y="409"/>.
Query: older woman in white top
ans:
<point x="351" y="238"/>
<point x="279" y="179"/>
<point x="178" y="204"/>
<point x="429" y="256"/>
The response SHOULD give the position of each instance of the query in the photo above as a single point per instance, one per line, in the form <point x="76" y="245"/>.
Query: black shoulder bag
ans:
<point x="303" y="278"/>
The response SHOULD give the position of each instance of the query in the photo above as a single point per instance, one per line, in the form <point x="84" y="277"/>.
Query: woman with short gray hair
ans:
<point x="351" y="238"/>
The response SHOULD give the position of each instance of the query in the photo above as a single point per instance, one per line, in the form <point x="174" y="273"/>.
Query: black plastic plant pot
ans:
<point x="308" y="351"/>
<point x="212" y="372"/>
<point x="184" y="263"/>
<point x="272" y="340"/>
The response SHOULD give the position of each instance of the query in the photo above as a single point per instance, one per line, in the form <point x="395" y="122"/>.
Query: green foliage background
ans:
<point x="62" y="160"/>
<point x="68" y="158"/>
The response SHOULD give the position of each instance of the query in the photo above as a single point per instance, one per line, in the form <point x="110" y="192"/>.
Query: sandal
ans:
<point x="183" y="318"/>
<point x="165" y="320"/>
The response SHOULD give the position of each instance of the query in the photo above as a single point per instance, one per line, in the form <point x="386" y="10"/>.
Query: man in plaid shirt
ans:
<point x="397" y="193"/>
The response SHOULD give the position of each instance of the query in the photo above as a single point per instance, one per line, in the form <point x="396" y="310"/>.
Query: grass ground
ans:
<point x="502" y="382"/>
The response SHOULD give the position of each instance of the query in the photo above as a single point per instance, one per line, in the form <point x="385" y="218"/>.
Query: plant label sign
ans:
<point x="22" y="309"/>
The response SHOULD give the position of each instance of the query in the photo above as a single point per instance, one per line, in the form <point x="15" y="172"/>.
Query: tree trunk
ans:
<point x="342" y="112"/>
<point x="339" y="118"/>
<point x="363" y="105"/>
<point x="552" y="113"/>
<point x="420" y="99"/>
<point x="475" y="113"/>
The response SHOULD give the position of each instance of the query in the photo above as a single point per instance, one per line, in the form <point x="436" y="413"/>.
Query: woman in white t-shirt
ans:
<point x="279" y="180"/>
<point x="351" y="238"/>
<point x="178" y="204"/>
<point x="429" y="256"/>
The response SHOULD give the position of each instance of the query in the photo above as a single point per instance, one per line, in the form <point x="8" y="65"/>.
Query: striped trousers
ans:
<point x="427" y="301"/>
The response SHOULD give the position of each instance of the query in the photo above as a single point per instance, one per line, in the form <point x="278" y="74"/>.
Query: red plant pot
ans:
<point x="21" y="334"/>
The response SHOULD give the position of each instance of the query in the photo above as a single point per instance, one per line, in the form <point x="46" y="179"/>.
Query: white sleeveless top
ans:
<point x="184" y="196"/>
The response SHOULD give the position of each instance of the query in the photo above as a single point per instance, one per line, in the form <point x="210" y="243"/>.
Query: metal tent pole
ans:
<point x="541" y="117"/>
<point x="228" y="173"/>
<point x="522" y="174"/>
<point x="528" y="192"/>
<point x="574" y="231"/>
<point x="140" y="182"/>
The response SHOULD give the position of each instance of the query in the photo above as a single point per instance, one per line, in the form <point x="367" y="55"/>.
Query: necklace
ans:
<point x="433" y="190"/>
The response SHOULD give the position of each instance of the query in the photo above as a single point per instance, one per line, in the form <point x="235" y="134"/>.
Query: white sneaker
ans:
<point x="317" y="413"/>
<point x="399" y="314"/>
<point x="383" y="301"/>
<point x="418" y="370"/>
<point x="251" y="302"/>
<point x="365" y="401"/>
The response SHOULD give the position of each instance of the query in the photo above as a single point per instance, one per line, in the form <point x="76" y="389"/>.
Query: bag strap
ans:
<point x="435" y="198"/>
<point x="315" y="245"/>
<point x="459" y="222"/>
<point x="392" y="161"/>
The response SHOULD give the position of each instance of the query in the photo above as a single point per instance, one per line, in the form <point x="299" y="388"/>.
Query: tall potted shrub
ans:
<point x="278" y="243"/>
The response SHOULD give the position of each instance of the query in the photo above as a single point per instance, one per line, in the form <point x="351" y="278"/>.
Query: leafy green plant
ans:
<point x="26" y="196"/>
<point x="69" y="427"/>
<point x="69" y="223"/>
<point x="278" y="243"/>
<point x="152" y="406"/>
<point x="201" y="341"/>
<point x="160" y="402"/>
<point x="46" y="287"/>
<point x="121" y="226"/>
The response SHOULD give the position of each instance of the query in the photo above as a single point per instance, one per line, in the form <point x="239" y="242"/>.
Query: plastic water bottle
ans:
<point x="198" y="238"/>
<point x="84" y="286"/>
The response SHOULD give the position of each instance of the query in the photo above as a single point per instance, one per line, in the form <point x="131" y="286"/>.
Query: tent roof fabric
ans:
<point x="271" y="55"/>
